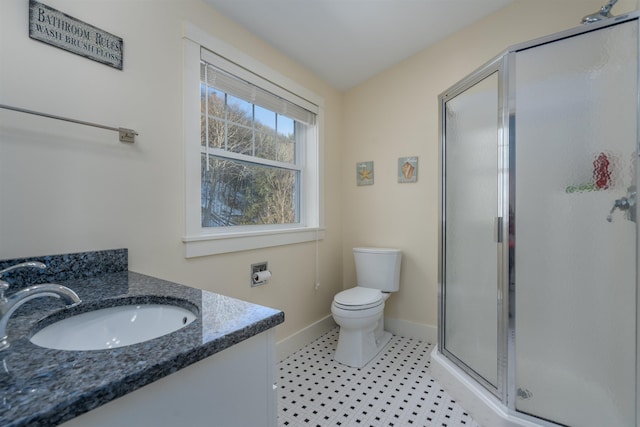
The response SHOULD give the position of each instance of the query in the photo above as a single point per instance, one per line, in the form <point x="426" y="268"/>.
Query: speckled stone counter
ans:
<point x="45" y="387"/>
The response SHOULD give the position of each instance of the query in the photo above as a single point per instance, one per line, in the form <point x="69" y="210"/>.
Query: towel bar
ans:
<point x="125" y="135"/>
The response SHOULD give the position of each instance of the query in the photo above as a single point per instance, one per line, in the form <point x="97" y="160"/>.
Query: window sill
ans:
<point x="197" y="246"/>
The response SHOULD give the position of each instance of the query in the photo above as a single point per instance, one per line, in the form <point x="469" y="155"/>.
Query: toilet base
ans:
<point x="356" y="348"/>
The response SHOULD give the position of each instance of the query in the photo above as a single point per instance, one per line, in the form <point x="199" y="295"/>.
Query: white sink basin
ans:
<point x="113" y="327"/>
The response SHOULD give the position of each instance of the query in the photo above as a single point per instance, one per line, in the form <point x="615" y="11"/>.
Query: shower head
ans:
<point x="603" y="13"/>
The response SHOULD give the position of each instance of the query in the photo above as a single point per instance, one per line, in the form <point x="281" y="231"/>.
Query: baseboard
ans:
<point x="407" y="329"/>
<point x="294" y="342"/>
<point x="403" y="328"/>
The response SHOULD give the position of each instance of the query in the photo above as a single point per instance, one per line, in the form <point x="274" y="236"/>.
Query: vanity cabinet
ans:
<point x="235" y="387"/>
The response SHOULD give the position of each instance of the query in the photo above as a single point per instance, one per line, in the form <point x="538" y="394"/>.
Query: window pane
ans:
<point x="215" y="108"/>
<point x="203" y="118"/>
<point x="266" y="145"/>
<point x="239" y="193"/>
<point x="285" y="126"/>
<point x="216" y="133"/>
<point x="239" y="139"/>
<point x="265" y="119"/>
<point x="286" y="150"/>
<point x="240" y="111"/>
<point x="286" y="139"/>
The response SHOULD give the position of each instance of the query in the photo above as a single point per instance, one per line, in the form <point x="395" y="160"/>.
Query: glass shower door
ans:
<point x="575" y="266"/>
<point x="470" y="204"/>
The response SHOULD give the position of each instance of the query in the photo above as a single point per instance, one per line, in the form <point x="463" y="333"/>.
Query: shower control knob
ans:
<point x="626" y="204"/>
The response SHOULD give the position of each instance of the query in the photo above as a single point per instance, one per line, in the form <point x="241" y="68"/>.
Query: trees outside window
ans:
<point x="250" y="162"/>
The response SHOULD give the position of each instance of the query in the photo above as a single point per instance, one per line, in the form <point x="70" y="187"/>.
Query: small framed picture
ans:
<point x="407" y="169"/>
<point x="364" y="173"/>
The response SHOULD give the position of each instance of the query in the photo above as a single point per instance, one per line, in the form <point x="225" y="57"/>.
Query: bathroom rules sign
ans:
<point x="58" y="29"/>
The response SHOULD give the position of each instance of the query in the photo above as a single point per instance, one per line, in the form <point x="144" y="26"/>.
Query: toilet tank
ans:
<point x="378" y="268"/>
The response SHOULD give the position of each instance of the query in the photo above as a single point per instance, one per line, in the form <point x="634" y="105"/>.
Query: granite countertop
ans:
<point x="45" y="387"/>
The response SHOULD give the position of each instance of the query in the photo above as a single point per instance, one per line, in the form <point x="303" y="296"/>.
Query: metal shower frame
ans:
<point x="504" y="65"/>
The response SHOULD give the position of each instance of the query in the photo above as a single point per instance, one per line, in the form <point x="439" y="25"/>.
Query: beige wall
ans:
<point x="69" y="188"/>
<point x="395" y="114"/>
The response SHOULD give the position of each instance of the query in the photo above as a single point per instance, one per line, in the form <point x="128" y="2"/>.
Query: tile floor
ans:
<point x="394" y="389"/>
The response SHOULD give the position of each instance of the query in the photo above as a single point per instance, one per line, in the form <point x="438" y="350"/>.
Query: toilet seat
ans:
<point x="358" y="298"/>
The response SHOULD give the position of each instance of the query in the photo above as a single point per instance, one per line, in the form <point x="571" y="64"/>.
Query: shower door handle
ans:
<point x="497" y="229"/>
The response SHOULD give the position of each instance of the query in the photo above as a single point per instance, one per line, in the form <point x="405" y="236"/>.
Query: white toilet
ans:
<point x="359" y="311"/>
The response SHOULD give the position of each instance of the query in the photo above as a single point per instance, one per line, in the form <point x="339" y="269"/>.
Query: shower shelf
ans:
<point x="583" y="188"/>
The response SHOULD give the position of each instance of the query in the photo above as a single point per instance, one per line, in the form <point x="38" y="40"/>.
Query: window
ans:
<point x="252" y="144"/>
<point x="254" y="154"/>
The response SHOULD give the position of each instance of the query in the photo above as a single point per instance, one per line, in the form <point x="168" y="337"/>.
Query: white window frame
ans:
<point x="201" y="241"/>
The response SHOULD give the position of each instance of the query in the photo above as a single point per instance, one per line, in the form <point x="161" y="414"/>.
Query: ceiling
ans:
<point x="346" y="42"/>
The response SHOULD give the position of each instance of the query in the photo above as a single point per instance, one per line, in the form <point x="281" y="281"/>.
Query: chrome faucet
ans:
<point x="626" y="204"/>
<point x="9" y="305"/>
<point x="603" y="13"/>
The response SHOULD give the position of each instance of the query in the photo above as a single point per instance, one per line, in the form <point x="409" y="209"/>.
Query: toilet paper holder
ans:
<point x="260" y="274"/>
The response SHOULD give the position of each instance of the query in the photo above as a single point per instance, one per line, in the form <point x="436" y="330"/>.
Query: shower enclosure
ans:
<point x="539" y="237"/>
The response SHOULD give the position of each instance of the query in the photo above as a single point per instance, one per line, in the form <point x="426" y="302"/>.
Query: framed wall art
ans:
<point x="408" y="169"/>
<point x="364" y="173"/>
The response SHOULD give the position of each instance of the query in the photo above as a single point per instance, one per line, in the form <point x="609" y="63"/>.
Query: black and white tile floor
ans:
<point x="394" y="389"/>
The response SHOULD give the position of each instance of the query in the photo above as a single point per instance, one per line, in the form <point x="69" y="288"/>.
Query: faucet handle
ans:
<point x="28" y="264"/>
<point x="4" y="285"/>
<point x="626" y="204"/>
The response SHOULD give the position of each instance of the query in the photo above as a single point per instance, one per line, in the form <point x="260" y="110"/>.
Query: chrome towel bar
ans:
<point x="125" y="135"/>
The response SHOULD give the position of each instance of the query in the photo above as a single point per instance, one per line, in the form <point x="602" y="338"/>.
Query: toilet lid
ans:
<point x="358" y="296"/>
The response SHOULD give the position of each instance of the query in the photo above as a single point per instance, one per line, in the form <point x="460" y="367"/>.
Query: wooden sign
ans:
<point x="58" y="29"/>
